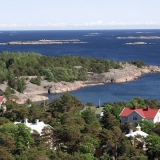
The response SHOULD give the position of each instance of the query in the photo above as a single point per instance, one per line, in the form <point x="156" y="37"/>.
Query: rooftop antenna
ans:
<point x="99" y="103"/>
<point x="44" y="104"/>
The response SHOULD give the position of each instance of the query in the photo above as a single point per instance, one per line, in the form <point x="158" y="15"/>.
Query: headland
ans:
<point x="128" y="72"/>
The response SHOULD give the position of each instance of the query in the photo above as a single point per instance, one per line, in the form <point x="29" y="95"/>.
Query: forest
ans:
<point x="61" y="68"/>
<point x="78" y="134"/>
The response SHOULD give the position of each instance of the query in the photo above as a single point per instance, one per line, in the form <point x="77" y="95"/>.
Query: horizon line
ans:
<point x="78" y="29"/>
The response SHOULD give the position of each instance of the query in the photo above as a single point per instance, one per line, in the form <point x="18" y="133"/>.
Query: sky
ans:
<point x="79" y="14"/>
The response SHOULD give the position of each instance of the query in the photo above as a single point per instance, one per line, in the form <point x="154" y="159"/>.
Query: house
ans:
<point x="98" y="110"/>
<point x="136" y="114"/>
<point x="137" y="132"/>
<point x="2" y="104"/>
<point x="38" y="126"/>
<point x="2" y="100"/>
<point x="137" y="137"/>
<point x="39" y="129"/>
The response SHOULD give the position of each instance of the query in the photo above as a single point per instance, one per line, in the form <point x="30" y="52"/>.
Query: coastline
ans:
<point x="127" y="73"/>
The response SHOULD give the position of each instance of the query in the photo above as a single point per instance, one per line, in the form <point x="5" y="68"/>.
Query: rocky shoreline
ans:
<point x="127" y="73"/>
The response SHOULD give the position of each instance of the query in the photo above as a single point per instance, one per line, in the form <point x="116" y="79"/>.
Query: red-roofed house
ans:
<point x="2" y="100"/>
<point x="136" y="114"/>
<point x="2" y="104"/>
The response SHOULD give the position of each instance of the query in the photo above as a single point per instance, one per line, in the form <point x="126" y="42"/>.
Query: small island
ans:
<point x="28" y="75"/>
<point x="139" y="37"/>
<point x="134" y="43"/>
<point x="45" y="41"/>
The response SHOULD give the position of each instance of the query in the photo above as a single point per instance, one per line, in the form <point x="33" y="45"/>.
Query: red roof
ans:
<point x="144" y="112"/>
<point x="1" y="99"/>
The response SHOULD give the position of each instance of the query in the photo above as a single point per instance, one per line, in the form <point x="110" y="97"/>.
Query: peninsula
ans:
<point x="34" y="92"/>
<point x="29" y="75"/>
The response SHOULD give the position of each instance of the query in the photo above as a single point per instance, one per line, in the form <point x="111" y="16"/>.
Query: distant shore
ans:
<point x="127" y="73"/>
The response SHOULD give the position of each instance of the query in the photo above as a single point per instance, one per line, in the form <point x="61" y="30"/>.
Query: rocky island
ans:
<point x="45" y="41"/>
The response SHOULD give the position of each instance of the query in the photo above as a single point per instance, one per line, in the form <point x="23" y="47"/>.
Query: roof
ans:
<point x="97" y="110"/>
<point x="138" y="132"/>
<point x="144" y="112"/>
<point x="1" y="99"/>
<point x="37" y="126"/>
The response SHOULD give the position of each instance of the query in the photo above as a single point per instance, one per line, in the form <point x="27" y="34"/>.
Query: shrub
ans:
<point x="9" y="90"/>
<point x="36" y="80"/>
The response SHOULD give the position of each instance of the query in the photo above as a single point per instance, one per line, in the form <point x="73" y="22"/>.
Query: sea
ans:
<point x="118" y="45"/>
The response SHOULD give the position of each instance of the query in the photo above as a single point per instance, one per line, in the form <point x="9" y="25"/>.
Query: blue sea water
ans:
<point x="119" y="45"/>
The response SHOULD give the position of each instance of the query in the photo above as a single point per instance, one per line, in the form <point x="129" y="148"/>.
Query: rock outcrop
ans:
<point x="127" y="73"/>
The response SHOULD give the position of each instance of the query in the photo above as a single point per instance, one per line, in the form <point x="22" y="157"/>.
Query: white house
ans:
<point x="137" y="133"/>
<point x="136" y="114"/>
<point x="37" y="126"/>
<point x="42" y="129"/>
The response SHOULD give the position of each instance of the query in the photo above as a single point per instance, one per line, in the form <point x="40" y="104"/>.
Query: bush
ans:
<point x="36" y="80"/>
<point x="9" y="90"/>
<point x="138" y="63"/>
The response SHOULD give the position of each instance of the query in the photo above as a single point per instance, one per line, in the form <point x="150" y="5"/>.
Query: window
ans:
<point x="134" y="117"/>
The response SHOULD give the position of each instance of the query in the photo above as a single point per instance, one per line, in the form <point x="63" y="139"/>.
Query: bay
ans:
<point x="146" y="87"/>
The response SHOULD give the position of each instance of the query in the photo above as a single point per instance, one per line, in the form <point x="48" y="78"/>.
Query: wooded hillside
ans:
<point x="62" y="68"/>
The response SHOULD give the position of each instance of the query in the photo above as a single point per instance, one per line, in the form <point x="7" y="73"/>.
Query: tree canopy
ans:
<point x="61" y="68"/>
<point x="77" y="134"/>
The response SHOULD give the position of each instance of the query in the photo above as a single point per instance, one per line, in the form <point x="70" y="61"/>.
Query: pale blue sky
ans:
<point x="79" y="14"/>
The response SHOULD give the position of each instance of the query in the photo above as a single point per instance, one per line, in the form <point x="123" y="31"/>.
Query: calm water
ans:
<point x="106" y="44"/>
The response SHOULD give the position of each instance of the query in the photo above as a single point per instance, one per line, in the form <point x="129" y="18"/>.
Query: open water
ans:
<point x="119" y="45"/>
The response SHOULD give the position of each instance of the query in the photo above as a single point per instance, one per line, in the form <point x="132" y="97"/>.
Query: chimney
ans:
<point x="37" y="121"/>
<point x="25" y="120"/>
<point x="138" y="128"/>
<point x="135" y="107"/>
<point x="130" y="131"/>
<point x="147" y="108"/>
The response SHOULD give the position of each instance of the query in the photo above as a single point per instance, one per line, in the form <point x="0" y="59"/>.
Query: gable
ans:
<point x="127" y="111"/>
<point x="136" y="115"/>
